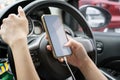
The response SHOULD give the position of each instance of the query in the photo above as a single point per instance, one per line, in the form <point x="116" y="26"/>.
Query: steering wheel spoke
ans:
<point x="87" y="43"/>
<point x="35" y="42"/>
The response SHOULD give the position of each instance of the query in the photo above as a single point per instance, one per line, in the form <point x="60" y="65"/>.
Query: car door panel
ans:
<point x="108" y="59"/>
<point x="111" y="47"/>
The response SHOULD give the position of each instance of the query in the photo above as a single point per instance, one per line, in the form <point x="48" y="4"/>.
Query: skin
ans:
<point x="14" y="32"/>
<point x="81" y="60"/>
<point x="17" y="25"/>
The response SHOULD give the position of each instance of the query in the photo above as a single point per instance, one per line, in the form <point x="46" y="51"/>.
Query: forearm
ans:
<point x="24" y="66"/>
<point x="90" y="71"/>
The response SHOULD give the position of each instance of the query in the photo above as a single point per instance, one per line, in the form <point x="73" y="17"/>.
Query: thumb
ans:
<point x="70" y="42"/>
<point x="1" y="33"/>
<point x="21" y="12"/>
<point x="0" y="30"/>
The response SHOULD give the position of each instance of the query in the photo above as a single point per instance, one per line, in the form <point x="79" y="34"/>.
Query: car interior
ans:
<point x="103" y="48"/>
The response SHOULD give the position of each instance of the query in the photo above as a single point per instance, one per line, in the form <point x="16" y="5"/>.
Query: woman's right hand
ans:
<point x="79" y="54"/>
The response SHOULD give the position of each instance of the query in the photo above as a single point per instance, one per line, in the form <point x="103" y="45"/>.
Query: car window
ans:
<point x="112" y="6"/>
<point x="114" y="9"/>
<point x="4" y="3"/>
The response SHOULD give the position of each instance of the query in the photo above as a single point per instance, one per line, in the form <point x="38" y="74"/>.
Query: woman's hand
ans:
<point x="14" y="27"/>
<point x="81" y="60"/>
<point x="79" y="54"/>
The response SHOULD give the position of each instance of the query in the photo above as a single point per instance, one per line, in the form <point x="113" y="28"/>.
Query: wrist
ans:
<point x="84" y="62"/>
<point x="18" y="42"/>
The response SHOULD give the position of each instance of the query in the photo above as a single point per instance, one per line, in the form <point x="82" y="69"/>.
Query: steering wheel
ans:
<point x="48" y="67"/>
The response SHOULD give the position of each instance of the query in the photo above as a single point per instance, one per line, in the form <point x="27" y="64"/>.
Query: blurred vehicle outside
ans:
<point x="4" y="3"/>
<point x="113" y="6"/>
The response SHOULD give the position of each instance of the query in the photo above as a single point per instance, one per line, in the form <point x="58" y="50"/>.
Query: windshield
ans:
<point x="4" y="3"/>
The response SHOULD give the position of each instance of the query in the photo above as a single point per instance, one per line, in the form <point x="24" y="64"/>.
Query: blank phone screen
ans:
<point x="57" y="35"/>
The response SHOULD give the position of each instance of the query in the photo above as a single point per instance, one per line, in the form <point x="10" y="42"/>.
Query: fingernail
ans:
<point x="19" y="7"/>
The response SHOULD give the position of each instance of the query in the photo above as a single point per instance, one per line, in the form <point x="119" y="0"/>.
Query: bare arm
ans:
<point x="24" y="66"/>
<point x="14" y="32"/>
<point x="80" y="59"/>
<point x="90" y="71"/>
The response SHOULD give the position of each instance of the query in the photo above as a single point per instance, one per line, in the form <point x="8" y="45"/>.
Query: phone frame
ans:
<point x="49" y="38"/>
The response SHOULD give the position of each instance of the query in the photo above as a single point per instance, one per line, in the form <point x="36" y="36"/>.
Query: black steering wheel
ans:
<point x="48" y="67"/>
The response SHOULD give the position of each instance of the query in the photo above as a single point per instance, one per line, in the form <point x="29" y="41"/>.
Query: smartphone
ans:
<point x="56" y="35"/>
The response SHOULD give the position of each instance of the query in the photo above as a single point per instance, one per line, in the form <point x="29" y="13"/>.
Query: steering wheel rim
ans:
<point x="68" y="8"/>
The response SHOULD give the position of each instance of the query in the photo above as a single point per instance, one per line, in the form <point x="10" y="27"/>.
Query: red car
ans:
<point x="113" y="6"/>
